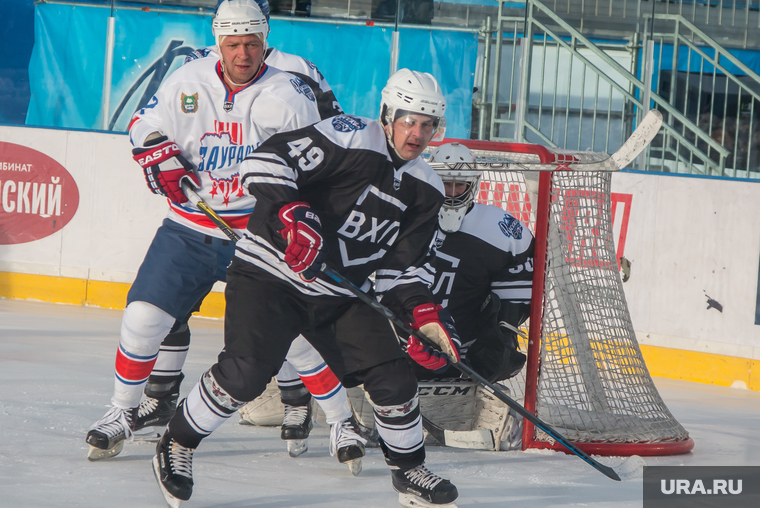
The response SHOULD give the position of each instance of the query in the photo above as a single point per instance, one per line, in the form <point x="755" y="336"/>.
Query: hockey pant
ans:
<point x="179" y="269"/>
<point x="263" y="316"/>
<point x="303" y="374"/>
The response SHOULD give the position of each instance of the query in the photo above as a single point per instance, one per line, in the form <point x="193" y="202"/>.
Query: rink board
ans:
<point x="687" y="239"/>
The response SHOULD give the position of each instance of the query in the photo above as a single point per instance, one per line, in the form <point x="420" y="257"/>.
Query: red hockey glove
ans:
<point x="164" y="168"/>
<point x="425" y="355"/>
<point x="435" y="323"/>
<point x="306" y="250"/>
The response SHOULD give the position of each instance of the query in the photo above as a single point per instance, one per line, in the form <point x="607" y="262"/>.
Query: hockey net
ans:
<point x="585" y="374"/>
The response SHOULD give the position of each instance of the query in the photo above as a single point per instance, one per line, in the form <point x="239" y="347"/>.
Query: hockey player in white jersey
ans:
<point x="353" y="193"/>
<point x="306" y="371"/>
<point x="202" y="122"/>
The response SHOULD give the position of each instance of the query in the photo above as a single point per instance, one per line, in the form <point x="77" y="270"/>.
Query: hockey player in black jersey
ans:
<point x="353" y="193"/>
<point x="484" y="272"/>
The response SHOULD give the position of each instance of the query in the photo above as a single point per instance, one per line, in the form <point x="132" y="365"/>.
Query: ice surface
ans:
<point x="56" y="377"/>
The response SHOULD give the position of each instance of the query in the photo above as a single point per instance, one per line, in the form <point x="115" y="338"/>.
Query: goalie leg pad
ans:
<point x="266" y="410"/>
<point x="491" y="413"/>
<point x="448" y="403"/>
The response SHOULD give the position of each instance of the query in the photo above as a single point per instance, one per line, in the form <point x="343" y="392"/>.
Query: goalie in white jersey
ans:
<point x="203" y="121"/>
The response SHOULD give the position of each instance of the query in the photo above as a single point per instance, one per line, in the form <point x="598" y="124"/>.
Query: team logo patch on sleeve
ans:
<point x="195" y="55"/>
<point x="189" y="103"/>
<point x="303" y="88"/>
<point x="511" y="227"/>
<point x="348" y="123"/>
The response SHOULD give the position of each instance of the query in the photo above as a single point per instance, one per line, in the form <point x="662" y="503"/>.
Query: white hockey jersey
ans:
<point x="216" y="128"/>
<point x="298" y="66"/>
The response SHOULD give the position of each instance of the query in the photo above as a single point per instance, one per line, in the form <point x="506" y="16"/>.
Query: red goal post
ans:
<point x="585" y="375"/>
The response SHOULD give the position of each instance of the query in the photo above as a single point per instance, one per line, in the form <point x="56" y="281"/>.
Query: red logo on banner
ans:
<point x="508" y="196"/>
<point x="38" y="197"/>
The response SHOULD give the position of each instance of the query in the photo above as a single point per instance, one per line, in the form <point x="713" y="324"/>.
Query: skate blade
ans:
<point x="355" y="466"/>
<point x="149" y="434"/>
<point x="172" y="501"/>
<point x="412" y="501"/>
<point x="96" y="454"/>
<point x="297" y="447"/>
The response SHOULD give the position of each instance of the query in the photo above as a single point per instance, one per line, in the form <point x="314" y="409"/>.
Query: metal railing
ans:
<point x="579" y="95"/>
<point x="714" y="89"/>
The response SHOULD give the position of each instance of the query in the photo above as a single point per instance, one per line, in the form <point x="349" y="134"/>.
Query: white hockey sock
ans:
<point x="142" y="329"/>
<point x="400" y="426"/>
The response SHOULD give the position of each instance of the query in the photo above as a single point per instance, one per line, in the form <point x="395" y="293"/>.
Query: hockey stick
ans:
<point x="475" y="439"/>
<point x="569" y="160"/>
<point x="198" y="201"/>
<point x="471" y="439"/>
<point x="629" y="469"/>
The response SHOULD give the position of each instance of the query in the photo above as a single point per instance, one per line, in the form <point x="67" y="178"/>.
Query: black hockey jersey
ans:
<point x="492" y="251"/>
<point x="375" y="217"/>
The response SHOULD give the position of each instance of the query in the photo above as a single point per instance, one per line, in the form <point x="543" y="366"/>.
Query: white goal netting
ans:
<point x="589" y="377"/>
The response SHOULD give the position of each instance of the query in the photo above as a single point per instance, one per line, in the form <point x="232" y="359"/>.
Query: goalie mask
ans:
<point x="240" y="17"/>
<point x="410" y="93"/>
<point x="461" y="185"/>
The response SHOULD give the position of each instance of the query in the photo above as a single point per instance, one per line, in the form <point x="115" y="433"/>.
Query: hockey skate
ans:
<point x="348" y="444"/>
<point x="419" y="487"/>
<point x="173" y="468"/>
<point x="106" y="437"/>
<point x="156" y="410"/>
<point x="296" y="427"/>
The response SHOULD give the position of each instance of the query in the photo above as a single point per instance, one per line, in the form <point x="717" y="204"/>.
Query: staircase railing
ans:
<point x="575" y="94"/>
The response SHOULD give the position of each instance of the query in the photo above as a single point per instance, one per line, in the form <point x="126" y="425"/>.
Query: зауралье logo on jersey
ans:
<point x="718" y="486"/>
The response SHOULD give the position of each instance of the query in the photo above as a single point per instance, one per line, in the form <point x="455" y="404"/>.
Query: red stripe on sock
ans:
<point x="321" y="383"/>
<point x="132" y="370"/>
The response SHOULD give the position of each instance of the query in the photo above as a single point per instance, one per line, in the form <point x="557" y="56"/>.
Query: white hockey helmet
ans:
<point x="417" y="93"/>
<point x="239" y="17"/>
<point x="454" y="208"/>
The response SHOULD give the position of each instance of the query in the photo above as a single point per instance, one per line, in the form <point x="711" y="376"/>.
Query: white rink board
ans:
<point x="116" y="219"/>
<point x="687" y="238"/>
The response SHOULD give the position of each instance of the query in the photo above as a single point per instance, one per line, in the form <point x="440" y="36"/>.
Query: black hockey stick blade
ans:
<point x="481" y="439"/>
<point x="209" y="212"/>
<point x="628" y="470"/>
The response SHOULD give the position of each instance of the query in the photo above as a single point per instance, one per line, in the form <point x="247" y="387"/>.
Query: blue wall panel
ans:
<point x="17" y="39"/>
<point x="66" y="69"/>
